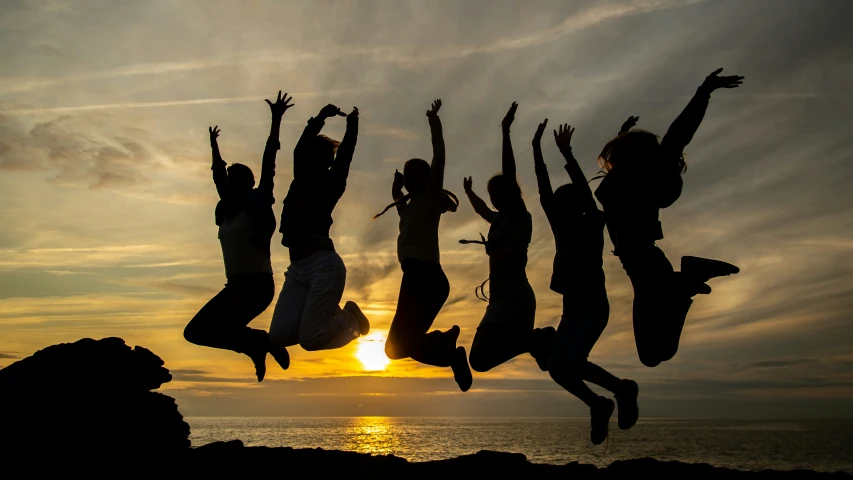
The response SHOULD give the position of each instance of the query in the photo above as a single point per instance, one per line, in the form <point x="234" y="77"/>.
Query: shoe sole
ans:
<point x="355" y="310"/>
<point x="731" y="269"/>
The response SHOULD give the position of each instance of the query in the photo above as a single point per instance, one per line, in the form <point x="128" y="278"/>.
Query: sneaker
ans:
<point x="260" y="361"/>
<point x="461" y="370"/>
<point x="280" y="355"/>
<point x="363" y="322"/>
<point x="256" y="349"/>
<point x="542" y="343"/>
<point x="705" y="269"/>
<point x="626" y="400"/>
<point x="600" y="420"/>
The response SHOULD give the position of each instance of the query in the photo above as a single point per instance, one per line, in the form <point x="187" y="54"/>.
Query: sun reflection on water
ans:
<point x="375" y="435"/>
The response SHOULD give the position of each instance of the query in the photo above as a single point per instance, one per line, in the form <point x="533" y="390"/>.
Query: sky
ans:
<point x="107" y="203"/>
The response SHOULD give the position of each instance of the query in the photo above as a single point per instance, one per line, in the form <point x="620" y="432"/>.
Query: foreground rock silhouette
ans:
<point x="230" y="458"/>
<point x="87" y="407"/>
<point x="89" y="399"/>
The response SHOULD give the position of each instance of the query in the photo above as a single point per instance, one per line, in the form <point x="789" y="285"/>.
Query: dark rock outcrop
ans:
<point x="233" y="459"/>
<point x="87" y="399"/>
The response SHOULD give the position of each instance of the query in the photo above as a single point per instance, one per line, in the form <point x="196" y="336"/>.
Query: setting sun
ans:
<point x="371" y="352"/>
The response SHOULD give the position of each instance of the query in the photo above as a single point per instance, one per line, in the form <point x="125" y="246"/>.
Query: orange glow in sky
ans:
<point x="370" y="351"/>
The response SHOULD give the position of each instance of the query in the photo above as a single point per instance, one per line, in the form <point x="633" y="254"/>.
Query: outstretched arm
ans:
<point x="277" y="109"/>
<point x="479" y="205"/>
<point x="315" y="125"/>
<point x="681" y="131"/>
<point x="436" y="180"/>
<point x="343" y="159"/>
<point x="507" y="156"/>
<point x="542" y="178"/>
<point x="220" y="175"/>
<point x="564" y="143"/>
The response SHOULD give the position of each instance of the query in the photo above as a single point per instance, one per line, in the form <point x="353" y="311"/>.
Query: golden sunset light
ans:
<point x="204" y="180"/>
<point x="370" y="351"/>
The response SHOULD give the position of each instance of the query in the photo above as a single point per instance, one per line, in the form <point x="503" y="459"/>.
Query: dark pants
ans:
<point x="423" y="291"/>
<point x="222" y="322"/>
<point x="661" y="302"/>
<point x="506" y="330"/>
<point x="585" y="315"/>
<point x="495" y="344"/>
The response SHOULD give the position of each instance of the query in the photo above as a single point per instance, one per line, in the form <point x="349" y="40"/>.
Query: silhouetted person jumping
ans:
<point x="424" y="287"/>
<point x="308" y="311"/>
<point x="246" y="223"/>
<point x="506" y="329"/>
<point x="578" y="227"/>
<point x="643" y="176"/>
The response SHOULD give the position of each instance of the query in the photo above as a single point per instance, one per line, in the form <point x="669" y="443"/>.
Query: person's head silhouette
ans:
<point x="241" y="180"/>
<point x="323" y="151"/>
<point x="416" y="175"/>
<point x="504" y="192"/>
<point x="569" y="198"/>
<point x="635" y="148"/>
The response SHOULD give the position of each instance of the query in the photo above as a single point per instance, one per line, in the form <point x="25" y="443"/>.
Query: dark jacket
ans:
<point x="632" y="195"/>
<point x="306" y="214"/>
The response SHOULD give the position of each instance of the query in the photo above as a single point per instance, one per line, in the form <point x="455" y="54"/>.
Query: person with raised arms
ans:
<point x="507" y="328"/>
<point x="578" y="275"/>
<point x="308" y="311"/>
<point x="246" y="223"/>
<point x="424" y="287"/>
<point x="643" y="175"/>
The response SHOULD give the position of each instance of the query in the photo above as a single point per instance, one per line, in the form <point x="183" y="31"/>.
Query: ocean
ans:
<point x="821" y="445"/>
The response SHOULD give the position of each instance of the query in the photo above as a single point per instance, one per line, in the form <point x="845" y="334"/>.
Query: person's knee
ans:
<point x="394" y="350"/>
<point x="479" y="362"/>
<point x="649" y="359"/>
<point x="192" y="334"/>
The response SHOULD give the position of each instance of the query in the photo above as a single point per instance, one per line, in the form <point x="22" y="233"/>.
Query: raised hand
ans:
<point x="433" y="111"/>
<point x="713" y="81"/>
<point x="468" y="184"/>
<point x="331" y="111"/>
<point x="509" y="117"/>
<point x="564" y="136"/>
<point x="537" y="137"/>
<point x="214" y="132"/>
<point x="353" y="115"/>
<point x="629" y="124"/>
<point x="282" y="103"/>
<point x="398" y="181"/>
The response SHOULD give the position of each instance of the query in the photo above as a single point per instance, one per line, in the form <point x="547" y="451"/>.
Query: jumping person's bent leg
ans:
<point x="659" y="306"/>
<point x="324" y="325"/>
<point x="223" y="321"/>
<point x="284" y="328"/>
<point x="495" y="344"/>
<point x="584" y="318"/>
<point x="423" y="291"/>
<point x="576" y="335"/>
<point x="213" y="326"/>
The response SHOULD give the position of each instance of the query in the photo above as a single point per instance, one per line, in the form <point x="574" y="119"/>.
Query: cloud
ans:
<point x="7" y="355"/>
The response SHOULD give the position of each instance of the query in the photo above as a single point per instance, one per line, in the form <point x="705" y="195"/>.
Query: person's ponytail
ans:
<point x="405" y="198"/>
<point x="449" y="203"/>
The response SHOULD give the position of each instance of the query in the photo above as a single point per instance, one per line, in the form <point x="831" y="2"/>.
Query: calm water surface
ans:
<point x="741" y="444"/>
